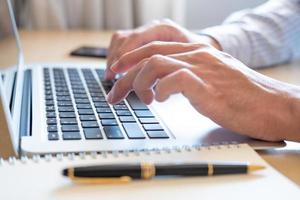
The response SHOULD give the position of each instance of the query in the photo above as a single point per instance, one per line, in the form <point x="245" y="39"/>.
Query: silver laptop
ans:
<point x="57" y="108"/>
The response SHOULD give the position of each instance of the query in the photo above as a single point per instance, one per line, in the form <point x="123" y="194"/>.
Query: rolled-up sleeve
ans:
<point x="263" y="36"/>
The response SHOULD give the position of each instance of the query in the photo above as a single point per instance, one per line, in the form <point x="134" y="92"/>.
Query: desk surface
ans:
<point x="56" y="46"/>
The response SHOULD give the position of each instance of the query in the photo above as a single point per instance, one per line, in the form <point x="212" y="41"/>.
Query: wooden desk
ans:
<point x="56" y="46"/>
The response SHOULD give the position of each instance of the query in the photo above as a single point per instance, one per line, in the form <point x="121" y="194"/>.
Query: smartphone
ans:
<point x="87" y="51"/>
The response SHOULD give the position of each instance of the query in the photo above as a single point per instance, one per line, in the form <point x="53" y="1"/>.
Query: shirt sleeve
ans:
<point x="263" y="36"/>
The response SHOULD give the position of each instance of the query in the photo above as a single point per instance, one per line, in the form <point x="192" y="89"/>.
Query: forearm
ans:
<point x="263" y="36"/>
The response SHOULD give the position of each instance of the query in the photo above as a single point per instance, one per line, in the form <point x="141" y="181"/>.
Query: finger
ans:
<point x="124" y="85"/>
<point x="117" y="39"/>
<point x="137" y="38"/>
<point x="201" y="55"/>
<point x="157" y="67"/>
<point x="164" y="48"/>
<point x="182" y="81"/>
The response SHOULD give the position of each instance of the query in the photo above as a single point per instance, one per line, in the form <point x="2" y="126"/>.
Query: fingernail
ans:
<point x="113" y="68"/>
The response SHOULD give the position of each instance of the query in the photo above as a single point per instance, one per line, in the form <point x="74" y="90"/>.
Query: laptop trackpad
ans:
<point x="185" y="123"/>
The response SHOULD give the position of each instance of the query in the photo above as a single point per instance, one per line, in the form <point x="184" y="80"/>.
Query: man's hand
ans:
<point x="125" y="41"/>
<point x="216" y="84"/>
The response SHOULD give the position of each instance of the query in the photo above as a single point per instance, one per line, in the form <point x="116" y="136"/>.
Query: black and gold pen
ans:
<point x="117" y="173"/>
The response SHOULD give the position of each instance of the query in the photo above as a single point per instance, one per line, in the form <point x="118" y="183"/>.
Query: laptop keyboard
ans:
<point x="76" y="109"/>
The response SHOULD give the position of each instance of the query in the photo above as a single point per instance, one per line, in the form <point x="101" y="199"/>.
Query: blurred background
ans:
<point x="122" y="14"/>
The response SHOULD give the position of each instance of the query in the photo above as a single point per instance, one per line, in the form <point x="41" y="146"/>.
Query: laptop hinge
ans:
<point x="26" y="106"/>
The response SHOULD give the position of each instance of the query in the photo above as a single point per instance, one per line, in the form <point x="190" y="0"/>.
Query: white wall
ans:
<point x="204" y="13"/>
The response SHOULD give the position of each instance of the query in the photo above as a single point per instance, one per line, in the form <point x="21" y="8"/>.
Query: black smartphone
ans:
<point x="87" y="51"/>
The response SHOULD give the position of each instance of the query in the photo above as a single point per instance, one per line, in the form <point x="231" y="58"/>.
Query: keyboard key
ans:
<point x="66" y="109"/>
<point x="49" y="102"/>
<point x="48" y="88"/>
<point x="82" y="101"/>
<point x="63" y="98"/>
<point x="106" y="116"/>
<point x="66" y="128"/>
<point x="51" y="114"/>
<point x="133" y="131"/>
<point x="157" y="134"/>
<point x="101" y="105"/>
<point x="100" y="74"/>
<point x="89" y="124"/>
<point x="92" y="133"/>
<point x="52" y="128"/>
<point x="68" y="121"/>
<point x="127" y="119"/>
<point x="97" y="94"/>
<point x="113" y="132"/>
<point x="150" y="120"/>
<point x="49" y="97"/>
<point x="48" y="92"/>
<point x="51" y="121"/>
<point x="67" y="115"/>
<point x="79" y="91"/>
<point x="121" y="103"/>
<point x="80" y="96"/>
<point x="83" y="106"/>
<point x="109" y="122"/>
<point x="85" y="111"/>
<point x="87" y="118"/>
<point x="66" y="94"/>
<point x="152" y="127"/>
<point x="64" y="103"/>
<point x="135" y="103"/>
<point x="123" y="113"/>
<point x="120" y="107"/>
<point x="53" y="136"/>
<point x="99" y="99"/>
<point x="143" y="113"/>
<point x="71" y="135"/>
<point x="103" y="110"/>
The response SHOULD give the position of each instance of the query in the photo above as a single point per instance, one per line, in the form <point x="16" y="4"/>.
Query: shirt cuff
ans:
<point x="232" y="39"/>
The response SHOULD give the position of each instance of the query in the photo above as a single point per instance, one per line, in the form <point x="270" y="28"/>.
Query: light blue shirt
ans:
<point x="263" y="36"/>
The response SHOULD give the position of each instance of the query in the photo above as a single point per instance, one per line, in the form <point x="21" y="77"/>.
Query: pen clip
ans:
<point x="98" y="180"/>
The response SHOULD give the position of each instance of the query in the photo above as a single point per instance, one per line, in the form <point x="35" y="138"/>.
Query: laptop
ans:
<point x="48" y="108"/>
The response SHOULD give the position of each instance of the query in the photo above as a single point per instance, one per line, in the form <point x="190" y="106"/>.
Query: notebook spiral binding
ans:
<point x="127" y="153"/>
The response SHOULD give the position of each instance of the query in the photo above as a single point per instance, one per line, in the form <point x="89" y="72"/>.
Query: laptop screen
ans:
<point x="8" y="46"/>
<point x="11" y="83"/>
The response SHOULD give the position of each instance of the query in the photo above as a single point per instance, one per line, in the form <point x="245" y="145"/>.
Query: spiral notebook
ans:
<point x="40" y="178"/>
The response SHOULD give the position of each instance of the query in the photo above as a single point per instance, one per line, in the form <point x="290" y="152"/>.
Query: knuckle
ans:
<point x="151" y="68"/>
<point x="204" y="54"/>
<point x="183" y="76"/>
<point x="117" y="35"/>
<point x="134" y="34"/>
<point x="153" y="46"/>
<point x="155" y="59"/>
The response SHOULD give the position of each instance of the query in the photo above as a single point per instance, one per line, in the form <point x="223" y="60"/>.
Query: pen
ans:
<point x="122" y="173"/>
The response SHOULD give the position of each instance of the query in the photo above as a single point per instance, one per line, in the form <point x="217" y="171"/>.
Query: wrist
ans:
<point x="212" y="41"/>
<point x="294" y="112"/>
<point x="203" y="38"/>
<point x="288" y="111"/>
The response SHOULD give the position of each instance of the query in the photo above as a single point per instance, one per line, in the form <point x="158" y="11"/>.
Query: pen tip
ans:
<point x="252" y="168"/>
<point x="65" y="172"/>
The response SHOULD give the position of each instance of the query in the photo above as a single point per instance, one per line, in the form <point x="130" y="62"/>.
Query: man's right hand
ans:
<point x="125" y="41"/>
